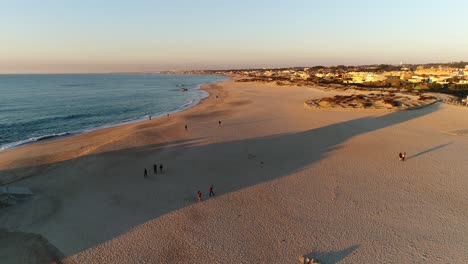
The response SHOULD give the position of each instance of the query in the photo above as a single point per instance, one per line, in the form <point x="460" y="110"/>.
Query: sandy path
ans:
<point x="289" y="182"/>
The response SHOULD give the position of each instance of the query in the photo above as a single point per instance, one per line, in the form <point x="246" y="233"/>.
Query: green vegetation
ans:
<point x="458" y="87"/>
<point x="458" y="93"/>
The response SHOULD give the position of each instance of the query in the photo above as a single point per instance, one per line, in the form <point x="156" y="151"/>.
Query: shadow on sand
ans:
<point x="429" y="150"/>
<point x="331" y="257"/>
<point x="120" y="193"/>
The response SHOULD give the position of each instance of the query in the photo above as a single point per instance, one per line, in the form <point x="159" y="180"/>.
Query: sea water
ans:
<point x="43" y="106"/>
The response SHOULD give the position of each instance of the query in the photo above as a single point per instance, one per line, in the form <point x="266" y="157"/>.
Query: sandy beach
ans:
<point x="289" y="181"/>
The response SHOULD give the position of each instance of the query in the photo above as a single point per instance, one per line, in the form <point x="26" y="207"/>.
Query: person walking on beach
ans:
<point x="199" y="196"/>
<point x="219" y="122"/>
<point x="186" y="128"/>
<point x="145" y="173"/>
<point x="401" y="156"/>
<point x="161" y="168"/>
<point x="155" y="168"/>
<point x="211" y="191"/>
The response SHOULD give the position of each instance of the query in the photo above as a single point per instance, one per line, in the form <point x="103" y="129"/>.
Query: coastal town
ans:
<point x="306" y="132"/>
<point x="450" y="78"/>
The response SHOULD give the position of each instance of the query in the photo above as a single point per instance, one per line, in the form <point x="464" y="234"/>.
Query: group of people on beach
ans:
<point x="402" y="156"/>
<point x="211" y="192"/>
<point x="155" y="170"/>
<point x="199" y="193"/>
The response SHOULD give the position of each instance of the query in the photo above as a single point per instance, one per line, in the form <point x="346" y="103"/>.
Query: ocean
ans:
<point x="43" y="106"/>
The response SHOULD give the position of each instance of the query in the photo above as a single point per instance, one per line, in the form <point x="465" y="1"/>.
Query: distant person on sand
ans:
<point x="401" y="156"/>
<point x="186" y="128"/>
<point x="199" y="196"/>
<point x="145" y="173"/>
<point x="219" y="122"/>
<point x="155" y="168"/>
<point x="161" y="168"/>
<point x="211" y="191"/>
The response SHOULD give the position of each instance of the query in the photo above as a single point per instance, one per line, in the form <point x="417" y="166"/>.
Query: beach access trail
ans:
<point x="289" y="181"/>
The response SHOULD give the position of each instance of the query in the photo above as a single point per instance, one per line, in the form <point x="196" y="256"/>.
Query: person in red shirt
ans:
<point x="211" y="191"/>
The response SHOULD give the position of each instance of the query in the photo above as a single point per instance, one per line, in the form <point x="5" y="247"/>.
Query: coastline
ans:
<point x="20" y="157"/>
<point x="289" y="182"/>
<point x="65" y="134"/>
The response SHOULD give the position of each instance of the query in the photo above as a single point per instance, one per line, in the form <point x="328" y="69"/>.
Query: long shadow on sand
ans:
<point x="114" y="200"/>
<point x="429" y="150"/>
<point x="19" y="173"/>
<point x="331" y="257"/>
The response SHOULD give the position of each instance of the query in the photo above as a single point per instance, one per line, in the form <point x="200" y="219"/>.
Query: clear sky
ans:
<point x="109" y="36"/>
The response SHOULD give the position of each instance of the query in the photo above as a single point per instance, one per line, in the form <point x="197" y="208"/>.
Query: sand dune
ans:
<point x="288" y="182"/>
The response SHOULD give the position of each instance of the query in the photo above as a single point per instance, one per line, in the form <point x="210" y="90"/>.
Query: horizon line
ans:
<point x="230" y="69"/>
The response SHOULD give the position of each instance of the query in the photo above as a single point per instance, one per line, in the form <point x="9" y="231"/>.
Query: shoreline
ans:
<point x="15" y="163"/>
<point x="289" y="182"/>
<point x="93" y="148"/>
<point x="67" y="134"/>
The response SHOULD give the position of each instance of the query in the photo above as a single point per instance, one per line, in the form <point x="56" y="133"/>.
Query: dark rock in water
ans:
<point x="183" y="89"/>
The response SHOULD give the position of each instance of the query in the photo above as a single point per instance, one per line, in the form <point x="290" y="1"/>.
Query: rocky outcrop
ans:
<point x="305" y="260"/>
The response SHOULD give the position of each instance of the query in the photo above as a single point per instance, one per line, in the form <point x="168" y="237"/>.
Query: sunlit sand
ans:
<point x="289" y="182"/>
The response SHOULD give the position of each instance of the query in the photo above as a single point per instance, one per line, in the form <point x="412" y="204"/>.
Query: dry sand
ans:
<point x="288" y="182"/>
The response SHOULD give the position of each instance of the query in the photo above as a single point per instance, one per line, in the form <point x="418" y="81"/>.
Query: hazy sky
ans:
<point x="108" y="36"/>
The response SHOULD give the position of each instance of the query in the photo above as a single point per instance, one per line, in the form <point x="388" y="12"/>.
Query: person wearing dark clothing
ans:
<point x="145" y="173"/>
<point x="199" y="196"/>
<point x="219" y="122"/>
<point x="211" y="191"/>
<point x="161" y="168"/>
<point x="155" y="168"/>
<point x="186" y="128"/>
<point x="401" y="156"/>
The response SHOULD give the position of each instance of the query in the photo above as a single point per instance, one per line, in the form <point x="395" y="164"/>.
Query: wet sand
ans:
<point x="288" y="181"/>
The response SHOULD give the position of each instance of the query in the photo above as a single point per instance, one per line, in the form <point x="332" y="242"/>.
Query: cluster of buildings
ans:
<point x="395" y="76"/>
<point x="421" y="75"/>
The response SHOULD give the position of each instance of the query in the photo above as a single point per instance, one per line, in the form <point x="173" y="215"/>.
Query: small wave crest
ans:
<point x="74" y="116"/>
<point x="31" y="140"/>
<point x="79" y="85"/>
<point x="53" y="119"/>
